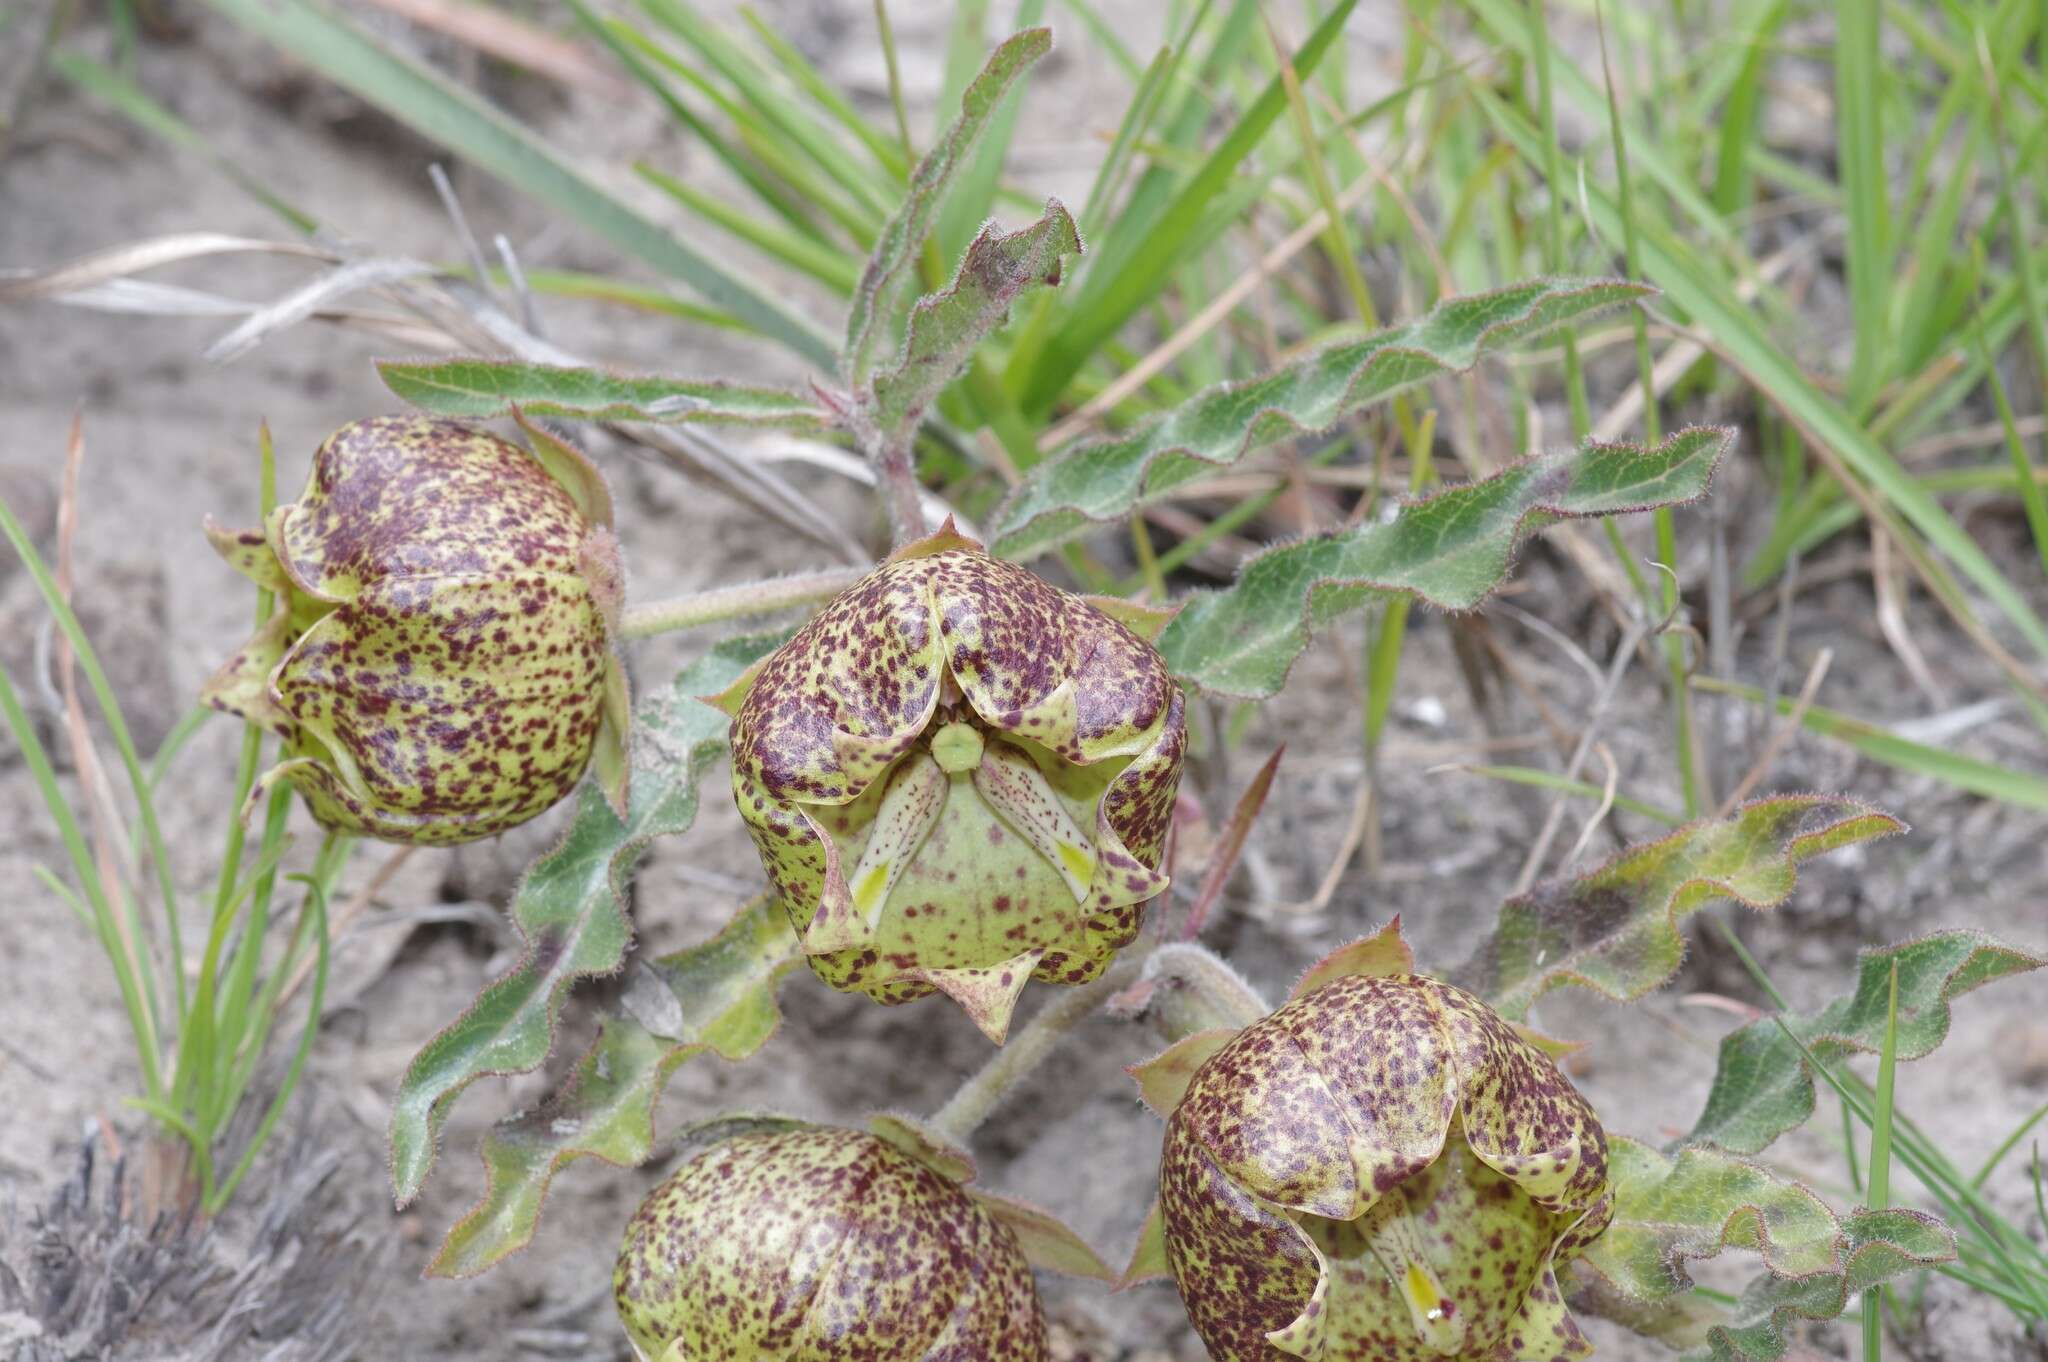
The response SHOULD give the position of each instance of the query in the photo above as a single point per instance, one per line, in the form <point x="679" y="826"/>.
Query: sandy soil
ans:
<point x="171" y="438"/>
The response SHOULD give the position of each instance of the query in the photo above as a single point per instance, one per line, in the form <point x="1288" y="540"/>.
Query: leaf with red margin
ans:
<point x="717" y="996"/>
<point x="569" y="910"/>
<point x="1763" y="1085"/>
<point x="1163" y="1079"/>
<point x="1148" y="1256"/>
<point x="1386" y="951"/>
<point x="1615" y="929"/>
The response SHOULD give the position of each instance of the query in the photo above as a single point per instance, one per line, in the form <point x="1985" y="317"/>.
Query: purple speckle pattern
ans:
<point x="437" y="661"/>
<point x="824" y="1245"/>
<point x="944" y="633"/>
<point x="1378" y="1109"/>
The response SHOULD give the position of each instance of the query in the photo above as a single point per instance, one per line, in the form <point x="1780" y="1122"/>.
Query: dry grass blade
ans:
<point x="1203" y="322"/>
<point x="1780" y="736"/>
<point x="509" y="38"/>
<point x="304" y="301"/>
<point x="108" y="834"/>
<point x="154" y="253"/>
<point x="1223" y="859"/>
<point x="1616" y="669"/>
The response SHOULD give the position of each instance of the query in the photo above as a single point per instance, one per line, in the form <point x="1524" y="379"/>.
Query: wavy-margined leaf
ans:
<point x="871" y="320"/>
<point x="1763" y="1088"/>
<point x="1876" y="1246"/>
<point x="1615" y="929"/>
<point x="718" y="996"/>
<point x="479" y="388"/>
<point x="1673" y="1209"/>
<point x="946" y="327"/>
<point x="1108" y="479"/>
<point x="569" y="909"/>
<point x="1451" y="550"/>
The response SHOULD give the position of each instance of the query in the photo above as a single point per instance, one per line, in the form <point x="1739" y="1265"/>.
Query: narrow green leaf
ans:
<point x="717" y="996"/>
<point x="946" y="327"/>
<point x="871" y="321"/>
<point x="1115" y="294"/>
<point x="1741" y="338"/>
<point x="479" y="388"/>
<point x="1763" y="1088"/>
<point x="1108" y="479"/>
<point x="2016" y="787"/>
<point x="1876" y="1246"/>
<point x="1451" y="550"/>
<point x="1615" y="929"/>
<point x="569" y="909"/>
<point x="444" y="112"/>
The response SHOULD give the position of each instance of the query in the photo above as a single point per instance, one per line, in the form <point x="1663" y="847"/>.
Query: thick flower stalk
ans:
<point x="438" y="662"/>
<point x="1383" y="1170"/>
<point x="793" y="1242"/>
<point x="960" y="778"/>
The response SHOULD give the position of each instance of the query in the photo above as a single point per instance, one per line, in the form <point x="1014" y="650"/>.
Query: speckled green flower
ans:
<point x="960" y="778"/>
<point x="802" y="1243"/>
<point x="438" y="661"/>
<point x="1383" y="1170"/>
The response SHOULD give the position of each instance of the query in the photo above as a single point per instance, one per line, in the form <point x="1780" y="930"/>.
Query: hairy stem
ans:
<point x="898" y="482"/>
<point x="735" y="602"/>
<point x="1194" y="990"/>
<point x="967" y="1108"/>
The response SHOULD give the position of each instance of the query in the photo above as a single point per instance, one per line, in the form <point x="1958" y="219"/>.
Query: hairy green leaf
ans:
<point x="1110" y="478"/>
<point x="1671" y="1210"/>
<point x="570" y="910"/>
<point x="717" y="996"/>
<point x="442" y="111"/>
<point x="1762" y="1087"/>
<point x="1451" y="549"/>
<point x="480" y="388"/>
<point x="871" y="320"/>
<point x="946" y="327"/>
<point x="1615" y="929"/>
<point x="1876" y="1246"/>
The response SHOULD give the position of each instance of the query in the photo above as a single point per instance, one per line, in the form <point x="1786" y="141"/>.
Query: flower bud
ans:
<point x="827" y="1245"/>
<point x="959" y="778"/>
<point x="1382" y="1169"/>
<point x="437" y="662"/>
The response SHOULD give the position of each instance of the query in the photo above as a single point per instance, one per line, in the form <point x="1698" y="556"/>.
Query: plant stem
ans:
<point x="735" y="602"/>
<point x="1197" y="991"/>
<point x="968" y="1107"/>
<point x="898" y="483"/>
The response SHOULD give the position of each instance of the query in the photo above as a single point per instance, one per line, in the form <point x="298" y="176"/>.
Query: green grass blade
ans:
<point x="2014" y="787"/>
<point x="886" y="151"/>
<point x="1881" y="1162"/>
<point x="1860" y="81"/>
<point x="1119" y="293"/>
<point x="1739" y="337"/>
<point x="444" y="112"/>
<point x="827" y="264"/>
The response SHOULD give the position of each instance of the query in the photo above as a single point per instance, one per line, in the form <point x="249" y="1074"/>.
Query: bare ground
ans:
<point x="171" y="438"/>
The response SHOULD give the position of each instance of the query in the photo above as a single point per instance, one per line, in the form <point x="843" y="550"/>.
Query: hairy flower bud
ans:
<point x="959" y="778"/>
<point x="791" y="1242"/>
<point x="438" y="660"/>
<point x="1383" y="1170"/>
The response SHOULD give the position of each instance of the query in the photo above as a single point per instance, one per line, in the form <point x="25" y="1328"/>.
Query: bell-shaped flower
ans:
<point x="1382" y="1170"/>
<point x="960" y="778"/>
<point x="438" y="660"/>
